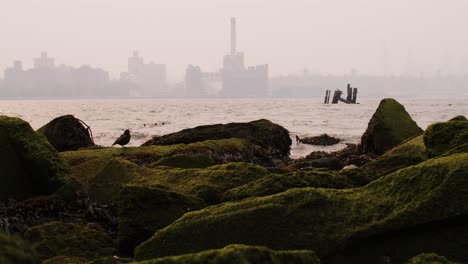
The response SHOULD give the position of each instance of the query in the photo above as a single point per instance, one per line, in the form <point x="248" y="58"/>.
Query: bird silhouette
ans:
<point x="123" y="139"/>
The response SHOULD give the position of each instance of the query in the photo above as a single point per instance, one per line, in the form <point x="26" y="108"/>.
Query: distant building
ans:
<point x="44" y="61"/>
<point x="238" y="81"/>
<point x="148" y="79"/>
<point x="45" y="80"/>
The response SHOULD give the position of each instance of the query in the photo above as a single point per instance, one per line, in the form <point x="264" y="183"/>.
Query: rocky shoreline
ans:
<point x="231" y="194"/>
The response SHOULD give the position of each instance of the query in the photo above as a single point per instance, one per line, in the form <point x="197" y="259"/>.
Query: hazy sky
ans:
<point x="329" y="36"/>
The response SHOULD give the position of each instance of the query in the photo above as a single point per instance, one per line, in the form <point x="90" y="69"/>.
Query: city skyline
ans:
<point x="333" y="37"/>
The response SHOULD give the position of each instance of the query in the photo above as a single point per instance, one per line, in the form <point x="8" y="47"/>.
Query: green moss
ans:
<point x="324" y="220"/>
<point x="389" y="126"/>
<point x="65" y="259"/>
<point x="219" y="151"/>
<point x="234" y="254"/>
<point x="272" y="137"/>
<point x="14" y="250"/>
<point x="208" y="184"/>
<point x="410" y="153"/>
<point x="65" y="239"/>
<point x="441" y="137"/>
<point x="459" y="118"/>
<point x="105" y="186"/>
<point x="143" y="211"/>
<point x="184" y="161"/>
<point x="29" y="164"/>
<point x="276" y="183"/>
<point x="103" y="179"/>
<point x="429" y="258"/>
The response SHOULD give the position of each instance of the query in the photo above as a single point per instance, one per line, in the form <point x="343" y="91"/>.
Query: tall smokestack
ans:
<point x="233" y="36"/>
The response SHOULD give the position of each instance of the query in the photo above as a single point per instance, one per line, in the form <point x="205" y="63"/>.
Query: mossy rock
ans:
<point x="144" y="210"/>
<point x="459" y="118"/>
<point x="325" y="220"/>
<point x="272" y="137"/>
<point x="277" y="183"/>
<point x="210" y="183"/>
<point x="441" y="137"/>
<point x="390" y="126"/>
<point x="184" y="161"/>
<point x="429" y="258"/>
<point x="409" y="153"/>
<point x="66" y="259"/>
<point x="219" y="151"/>
<point x="66" y="239"/>
<point x="67" y="133"/>
<point x="30" y="166"/>
<point x="234" y="254"/>
<point x="14" y="250"/>
<point x="104" y="187"/>
<point x="104" y="178"/>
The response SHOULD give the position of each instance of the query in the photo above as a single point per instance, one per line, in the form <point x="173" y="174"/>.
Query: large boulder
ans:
<point x="409" y="153"/>
<point x="143" y="211"/>
<point x="277" y="183"/>
<point x="66" y="239"/>
<point x="272" y="137"/>
<point x="326" y="220"/>
<point x="442" y="137"/>
<point x="389" y="126"/>
<point x="67" y="133"/>
<point x="14" y="250"/>
<point x="234" y="254"/>
<point x="29" y="165"/>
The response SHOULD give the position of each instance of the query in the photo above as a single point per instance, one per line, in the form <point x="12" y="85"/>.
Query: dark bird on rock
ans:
<point x="123" y="139"/>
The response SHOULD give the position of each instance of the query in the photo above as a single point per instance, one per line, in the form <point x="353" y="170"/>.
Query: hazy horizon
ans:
<point x="332" y="37"/>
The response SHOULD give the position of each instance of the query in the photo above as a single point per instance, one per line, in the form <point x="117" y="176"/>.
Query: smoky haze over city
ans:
<point x="232" y="49"/>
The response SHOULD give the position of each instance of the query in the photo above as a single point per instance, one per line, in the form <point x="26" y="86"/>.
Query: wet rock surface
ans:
<point x="67" y="133"/>
<point x="322" y="140"/>
<point x="270" y="136"/>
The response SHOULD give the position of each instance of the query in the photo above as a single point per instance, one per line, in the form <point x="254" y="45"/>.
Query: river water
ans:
<point x="302" y="117"/>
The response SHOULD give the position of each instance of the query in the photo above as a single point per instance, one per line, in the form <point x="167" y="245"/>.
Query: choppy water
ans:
<point x="303" y="117"/>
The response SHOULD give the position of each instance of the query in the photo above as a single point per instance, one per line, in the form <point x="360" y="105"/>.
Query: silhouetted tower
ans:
<point x="233" y="36"/>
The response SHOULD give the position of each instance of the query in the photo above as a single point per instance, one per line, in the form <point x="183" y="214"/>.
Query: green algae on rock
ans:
<point x="66" y="133"/>
<point x="14" y="250"/>
<point x="65" y="259"/>
<point x="458" y="118"/>
<point x="409" y="153"/>
<point x="324" y="220"/>
<point x="104" y="178"/>
<point x="184" y="161"/>
<point x="143" y="211"/>
<point x="389" y="126"/>
<point x="429" y="258"/>
<point x="66" y="239"/>
<point x="233" y="254"/>
<point x="272" y="137"/>
<point x="219" y="151"/>
<point x="277" y="183"/>
<point x="441" y="137"/>
<point x="29" y="164"/>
